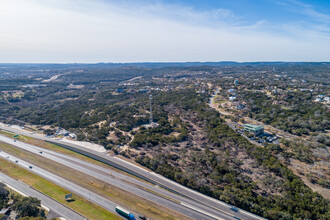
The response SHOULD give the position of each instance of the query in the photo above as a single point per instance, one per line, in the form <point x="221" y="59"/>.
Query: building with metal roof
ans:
<point x="255" y="129"/>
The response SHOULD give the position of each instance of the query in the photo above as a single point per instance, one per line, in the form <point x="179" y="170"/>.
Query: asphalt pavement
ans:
<point x="57" y="207"/>
<point x="127" y="183"/>
<point x="74" y="188"/>
<point x="196" y="201"/>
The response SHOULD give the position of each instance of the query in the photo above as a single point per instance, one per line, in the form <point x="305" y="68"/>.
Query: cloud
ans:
<point x="98" y="31"/>
<point x="310" y="11"/>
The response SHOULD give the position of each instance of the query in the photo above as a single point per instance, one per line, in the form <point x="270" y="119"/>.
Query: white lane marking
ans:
<point x="198" y="210"/>
<point x="170" y="181"/>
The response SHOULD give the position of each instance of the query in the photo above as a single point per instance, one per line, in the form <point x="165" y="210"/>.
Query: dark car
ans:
<point x="235" y="209"/>
<point x="142" y="217"/>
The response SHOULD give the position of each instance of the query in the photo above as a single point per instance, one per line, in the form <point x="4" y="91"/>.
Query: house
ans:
<point x="240" y="107"/>
<point x="143" y="90"/>
<point x="64" y="132"/>
<point x="232" y="98"/>
<point x="5" y="211"/>
<point x="73" y="136"/>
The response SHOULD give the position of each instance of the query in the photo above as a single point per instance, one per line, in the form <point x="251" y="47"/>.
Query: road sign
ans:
<point x="68" y="197"/>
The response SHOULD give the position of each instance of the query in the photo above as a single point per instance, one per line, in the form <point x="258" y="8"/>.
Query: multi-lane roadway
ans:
<point x="26" y="190"/>
<point x="183" y="199"/>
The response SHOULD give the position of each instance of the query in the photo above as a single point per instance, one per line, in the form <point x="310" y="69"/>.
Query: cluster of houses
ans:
<point x="232" y="96"/>
<point x="234" y="105"/>
<point x="323" y="99"/>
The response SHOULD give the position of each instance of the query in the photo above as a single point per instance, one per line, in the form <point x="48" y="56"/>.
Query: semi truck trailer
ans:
<point x="123" y="212"/>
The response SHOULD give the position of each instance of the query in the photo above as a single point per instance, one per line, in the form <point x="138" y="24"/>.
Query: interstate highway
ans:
<point x="53" y="205"/>
<point x="193" y="196"/>
<point x="117" y="179"/>
<point x="95" y="198"/>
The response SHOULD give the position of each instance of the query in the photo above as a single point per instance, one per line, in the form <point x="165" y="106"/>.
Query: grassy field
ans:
<point x="81" y="205"/>
<point x="111" y="192"/>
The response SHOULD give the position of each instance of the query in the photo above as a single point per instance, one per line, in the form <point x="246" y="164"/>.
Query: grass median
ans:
<point x="121" y="197"/>
<point x="81" y="205"/>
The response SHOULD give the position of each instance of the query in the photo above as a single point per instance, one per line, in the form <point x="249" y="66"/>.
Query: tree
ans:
<point x="29" y="206"/>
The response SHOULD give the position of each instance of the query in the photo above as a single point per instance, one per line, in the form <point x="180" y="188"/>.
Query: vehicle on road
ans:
<point x="235" y="209"/>
<point x="142" y="217"/>
<point x="125" y="213"/>
<point x="30" y="167"/>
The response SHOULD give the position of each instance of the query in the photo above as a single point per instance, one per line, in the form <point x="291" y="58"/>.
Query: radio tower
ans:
<point x="58" y="121"/>
<point x="151" y="119"/>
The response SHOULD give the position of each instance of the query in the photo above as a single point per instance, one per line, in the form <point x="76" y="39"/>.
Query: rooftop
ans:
<point x="250" y="126"/>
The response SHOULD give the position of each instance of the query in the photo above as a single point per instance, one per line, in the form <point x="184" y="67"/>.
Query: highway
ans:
<point x="58" y="208"/>
<point x="78" y="190"/>
<point x="122" y="181"/>
<point x="118" y="180"/>
<point x="193" y="199"/>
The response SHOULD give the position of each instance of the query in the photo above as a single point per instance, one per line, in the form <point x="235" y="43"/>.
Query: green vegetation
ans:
<point x="104" y="104"/>
<point x="25" y="207"/>
<point x="220" y="176"/>
<point x="301" y="117"/>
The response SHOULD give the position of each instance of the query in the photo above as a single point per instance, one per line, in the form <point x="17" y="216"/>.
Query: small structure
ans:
<point x="232" y="98"/>
<point x="5" y="211"/>
<point x="240" y="106"/>
<point x="73" y="136"/>
<point x="255" y="129"/>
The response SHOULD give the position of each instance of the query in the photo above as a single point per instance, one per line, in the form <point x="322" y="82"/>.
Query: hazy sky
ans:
<point x="164" y="30"/>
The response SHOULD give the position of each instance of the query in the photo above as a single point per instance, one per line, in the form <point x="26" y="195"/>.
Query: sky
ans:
<point x="90" y="31"/>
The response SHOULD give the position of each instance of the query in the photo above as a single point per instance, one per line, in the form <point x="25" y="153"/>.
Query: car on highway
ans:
<point x="142" y="217"/>
<point x="233" y="208"/>
<point x="30" y="167"/>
